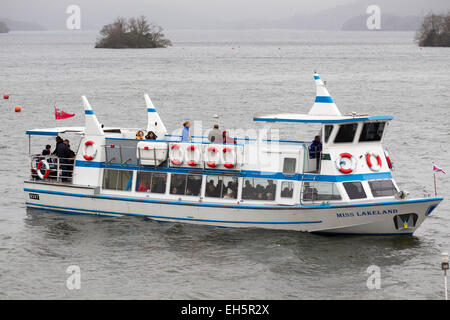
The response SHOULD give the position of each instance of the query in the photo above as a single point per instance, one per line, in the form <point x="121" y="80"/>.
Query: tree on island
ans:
<point x="3" y="27"/>
<point x="434" y="31"/>
<point x="134" y="33"/>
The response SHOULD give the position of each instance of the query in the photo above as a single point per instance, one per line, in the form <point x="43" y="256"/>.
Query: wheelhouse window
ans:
<point x="382" y="188"/>
<point x="346" y="133"/>
<point x="328" y="130"/>
<point x="183" y="184"/>
<point x="355" y="190"/>
<point x="225" y="187"/>
<point x="372" y="131"/>
<point x="117" y="179"/>
<point x="259" y="189"/>
<point x="287" y="189"/>
<point x="153" y="182"/>
<point x="289" y="165"/>
<point x="320" y="191"/>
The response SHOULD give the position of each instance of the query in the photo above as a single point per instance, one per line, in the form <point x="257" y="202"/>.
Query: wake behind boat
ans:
<point x="342" y="184"/>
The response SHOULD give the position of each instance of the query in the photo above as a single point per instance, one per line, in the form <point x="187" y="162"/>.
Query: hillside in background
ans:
<point x="14" y="25"/>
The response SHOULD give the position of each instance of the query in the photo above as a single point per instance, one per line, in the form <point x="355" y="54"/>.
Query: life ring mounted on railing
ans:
<point x="89" y="155"/>
<point x="229" y="153"/>
<point x="176" y="154"/>
<point x="374" y="166"/>
<point x="342" y="164"/>
<point x="41" y="175"/>
<point x="193" y="151"/>
<point x="212" y="157"/>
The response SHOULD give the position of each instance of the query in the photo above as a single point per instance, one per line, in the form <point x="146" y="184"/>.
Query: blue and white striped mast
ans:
<point x="324" y="104"/>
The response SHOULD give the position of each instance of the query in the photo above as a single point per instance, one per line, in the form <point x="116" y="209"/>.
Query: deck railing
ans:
<point x="51" y="168"/>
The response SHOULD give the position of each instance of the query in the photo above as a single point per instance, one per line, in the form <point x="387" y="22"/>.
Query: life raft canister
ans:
<point x="229" y="153"/>
<point x="89" y="156"/>
<point x="373" y="166"/>
<point x="340" y="162"/>
<point x="388" y="159"/>
<point x="212" y="157"/>
<point x="47" y="169"/>
<point x="192" y="150"/>
<point x="176" y="154"/>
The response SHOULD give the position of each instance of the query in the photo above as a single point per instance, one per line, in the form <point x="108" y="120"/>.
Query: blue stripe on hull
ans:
<point x="243" y="206"/>
<point x="97" y="212"/>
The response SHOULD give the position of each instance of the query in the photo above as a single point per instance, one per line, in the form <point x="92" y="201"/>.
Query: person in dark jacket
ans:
<point x="315" y="150"/>
<point x="47" y="151"/>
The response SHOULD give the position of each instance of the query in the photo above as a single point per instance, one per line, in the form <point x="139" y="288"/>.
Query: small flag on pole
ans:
<point x="59" y="114"/>
<point x="437" y="169"/>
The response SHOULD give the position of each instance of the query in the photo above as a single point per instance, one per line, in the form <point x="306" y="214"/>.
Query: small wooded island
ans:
<point x="3" y="27"/>
<point x="134" y="33"/>
<point x="434" y="31"/>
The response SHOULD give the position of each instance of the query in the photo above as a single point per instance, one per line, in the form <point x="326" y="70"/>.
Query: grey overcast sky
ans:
<point x="186" y="13"/>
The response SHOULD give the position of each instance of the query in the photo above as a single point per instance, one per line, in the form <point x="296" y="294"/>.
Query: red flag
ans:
<point x="59" y="114"/>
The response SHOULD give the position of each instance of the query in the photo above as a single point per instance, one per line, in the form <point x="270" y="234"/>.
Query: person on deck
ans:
<point x="151" y="136"/>
<point x="215" y="135"/>
<point x="185" y="135"/>
<point x="227" y="138"/>
<point x="47" y="151"/>
<point x="315" y="149"/>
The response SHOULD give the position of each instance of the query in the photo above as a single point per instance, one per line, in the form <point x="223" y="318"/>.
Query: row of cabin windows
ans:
<point x="226" y="187"/>
<point x="371" y="131"/>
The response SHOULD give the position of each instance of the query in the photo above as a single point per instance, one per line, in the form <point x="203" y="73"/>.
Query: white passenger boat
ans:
<point x="345" y="188"/>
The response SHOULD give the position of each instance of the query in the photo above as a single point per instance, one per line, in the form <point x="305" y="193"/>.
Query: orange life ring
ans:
<point x="372" y="166"/>
<point x="339" y="163"/>
<point x="176" y="160"/>
<point x="47" y="169"/>
<point x="196" y="155"/>
<point x="228" y="164"/>
<point x="89" y="156"/>
<point x="212" y="163"/>
<point x="388" y="159"/>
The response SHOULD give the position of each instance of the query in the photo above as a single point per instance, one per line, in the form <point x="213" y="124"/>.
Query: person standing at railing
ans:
<point x="215" y="135"/>
<point x="185" y="135"/>
<point x="47" y="150"/>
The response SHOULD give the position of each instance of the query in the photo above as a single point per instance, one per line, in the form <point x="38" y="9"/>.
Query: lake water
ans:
<point x="235" y="74"/>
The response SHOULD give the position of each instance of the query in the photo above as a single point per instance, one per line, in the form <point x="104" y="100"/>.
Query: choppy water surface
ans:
<point x="236" y="75"/>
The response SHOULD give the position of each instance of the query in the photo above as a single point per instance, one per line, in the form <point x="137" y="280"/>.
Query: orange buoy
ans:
<point x="18" y="109"/>
<point x="5" y="96"/>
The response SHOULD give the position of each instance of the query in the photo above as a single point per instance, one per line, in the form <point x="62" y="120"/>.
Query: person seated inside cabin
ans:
<point x="151" y="136"/>
<point x="47" y="150"/>
<point x="230" y="194"/>
<point x="227" y="139"/>
<point x="215" y="135"/>
<point x="247" y="190"/>
<point x="211" y="190"/>
<point x="140" y="134"/>
<point x="287" y="192"/>
<point x="271" y="187"/>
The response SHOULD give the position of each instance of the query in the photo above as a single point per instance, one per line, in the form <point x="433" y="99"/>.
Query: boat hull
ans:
<point x="363" y="218"/>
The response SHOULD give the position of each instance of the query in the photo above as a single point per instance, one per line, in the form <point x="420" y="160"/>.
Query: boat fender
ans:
<point x="373" y="166"/>
<point x="340" y="163"/>
<point x="47" y="169"/>
<point x="89" y="156"/>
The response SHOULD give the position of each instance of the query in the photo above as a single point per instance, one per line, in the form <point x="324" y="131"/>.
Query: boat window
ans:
<point x="151" y="182"/>
<point x="287" y="189"/>
<point x="258" y="189"/>
<point x="328" y="130"/>
<point x="320" y="191"/>
<point x="372" y="131"/>
<point x="289" y="165"/>
<point x="346" y="133"/>
<point x="221" y="187"/>
<point x="354" y="190"/>
<point x="117" y="179"/>
<point x="382" y="188"/>
<point x="184" y="184"/>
